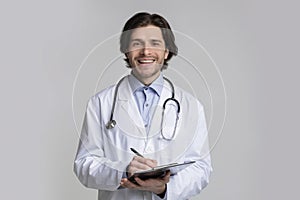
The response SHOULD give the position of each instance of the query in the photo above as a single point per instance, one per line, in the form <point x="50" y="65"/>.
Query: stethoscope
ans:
<point x="112" y="123"/>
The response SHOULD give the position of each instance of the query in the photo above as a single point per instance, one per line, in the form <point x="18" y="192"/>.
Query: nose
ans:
<point x="146" y="50"/>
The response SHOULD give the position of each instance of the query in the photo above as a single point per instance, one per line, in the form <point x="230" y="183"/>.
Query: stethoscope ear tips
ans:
<point x="111" y="124"/>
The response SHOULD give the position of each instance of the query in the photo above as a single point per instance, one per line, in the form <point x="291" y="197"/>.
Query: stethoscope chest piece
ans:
<point x="111" y="124"/>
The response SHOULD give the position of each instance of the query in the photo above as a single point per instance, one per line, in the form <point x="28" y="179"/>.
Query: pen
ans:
<point x="136" y="152"/>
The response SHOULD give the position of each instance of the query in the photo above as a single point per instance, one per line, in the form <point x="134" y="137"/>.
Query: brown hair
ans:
<point x="143" y="19"/>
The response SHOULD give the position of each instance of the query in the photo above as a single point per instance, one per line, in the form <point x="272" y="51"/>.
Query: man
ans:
<point x="138" y="113"/>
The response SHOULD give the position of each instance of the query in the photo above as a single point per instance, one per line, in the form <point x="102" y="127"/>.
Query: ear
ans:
<point x="166" y="53"/>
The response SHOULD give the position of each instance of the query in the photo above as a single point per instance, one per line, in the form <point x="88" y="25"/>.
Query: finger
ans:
<point x="128" y="184"/>
<point x="152" y="182"/>
<point x="151" y="163"/>
<point x="167" y="175"/>
<point x="140" y="182"/>
<point x="136" y="165"/>
<point x="166" y="178"/>
<point x="146" y="161"/>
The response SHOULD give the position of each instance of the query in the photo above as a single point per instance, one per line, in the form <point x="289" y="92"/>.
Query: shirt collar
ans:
<point x="156" y="85"/>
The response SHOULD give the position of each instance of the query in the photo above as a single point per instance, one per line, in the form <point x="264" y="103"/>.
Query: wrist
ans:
<point x="161" y="193"/>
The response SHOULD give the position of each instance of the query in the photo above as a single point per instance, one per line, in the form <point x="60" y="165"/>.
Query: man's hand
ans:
<point x="139" y="163"/>
<point x="157" y="185"/>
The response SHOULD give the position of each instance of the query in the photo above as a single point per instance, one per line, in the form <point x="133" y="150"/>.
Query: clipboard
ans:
<point x="160" y="171"/>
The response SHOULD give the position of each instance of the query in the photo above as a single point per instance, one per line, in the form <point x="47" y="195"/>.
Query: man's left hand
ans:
<point x="157" y="185"/>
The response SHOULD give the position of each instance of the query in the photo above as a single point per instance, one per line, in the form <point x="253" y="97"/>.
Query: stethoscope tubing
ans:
<point x="111" y="123"/>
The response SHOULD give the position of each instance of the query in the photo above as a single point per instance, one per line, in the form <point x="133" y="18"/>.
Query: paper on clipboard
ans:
<point x="160" y="171"/>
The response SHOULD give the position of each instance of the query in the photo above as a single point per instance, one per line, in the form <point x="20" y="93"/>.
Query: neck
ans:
<point x="146" y="81"/>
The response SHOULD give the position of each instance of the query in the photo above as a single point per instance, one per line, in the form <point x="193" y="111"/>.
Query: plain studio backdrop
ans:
<point x="255" y="45"/>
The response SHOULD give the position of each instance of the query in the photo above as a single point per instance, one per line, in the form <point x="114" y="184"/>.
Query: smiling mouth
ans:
<point x="146" y="61"/>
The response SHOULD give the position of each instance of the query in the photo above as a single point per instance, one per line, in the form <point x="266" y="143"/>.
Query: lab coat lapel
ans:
<point x="127" y="113"/>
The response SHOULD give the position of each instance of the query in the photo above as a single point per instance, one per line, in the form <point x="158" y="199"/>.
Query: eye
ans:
<point x="134" y="44"/>
<point x="156" y="44"/>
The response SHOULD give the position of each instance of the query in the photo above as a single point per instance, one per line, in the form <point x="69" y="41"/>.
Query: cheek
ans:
<point x="131" y="55"/>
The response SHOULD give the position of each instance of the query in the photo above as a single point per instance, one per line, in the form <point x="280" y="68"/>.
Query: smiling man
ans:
<point x="146" y="53"/>
<point x="146" y="112"/>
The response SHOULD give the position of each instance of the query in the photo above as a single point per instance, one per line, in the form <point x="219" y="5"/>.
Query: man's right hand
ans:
<point x="139" y="163"/>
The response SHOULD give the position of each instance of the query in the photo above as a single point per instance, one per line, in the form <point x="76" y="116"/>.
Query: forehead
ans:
<point x="147" y="32"/>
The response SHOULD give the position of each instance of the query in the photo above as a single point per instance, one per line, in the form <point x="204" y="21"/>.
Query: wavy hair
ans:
<point x="143" y="19"/>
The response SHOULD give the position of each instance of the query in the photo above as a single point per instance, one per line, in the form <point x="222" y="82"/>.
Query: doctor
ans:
<point x="162" y="131"/>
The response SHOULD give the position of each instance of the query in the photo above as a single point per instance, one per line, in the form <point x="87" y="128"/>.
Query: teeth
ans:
<point x="147" y="61"/>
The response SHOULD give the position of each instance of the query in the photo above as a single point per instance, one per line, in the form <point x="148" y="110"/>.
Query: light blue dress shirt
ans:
<point x="146" y="97"/>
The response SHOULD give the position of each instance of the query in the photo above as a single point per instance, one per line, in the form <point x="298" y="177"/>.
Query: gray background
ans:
<point x="255" y="44"/>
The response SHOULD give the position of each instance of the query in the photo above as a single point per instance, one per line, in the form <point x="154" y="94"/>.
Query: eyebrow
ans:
<point x="140" y="40"/>
<point x="156" y="40"/>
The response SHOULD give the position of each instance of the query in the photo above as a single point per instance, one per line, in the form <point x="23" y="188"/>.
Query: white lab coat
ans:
<point x="103" y="154"/>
